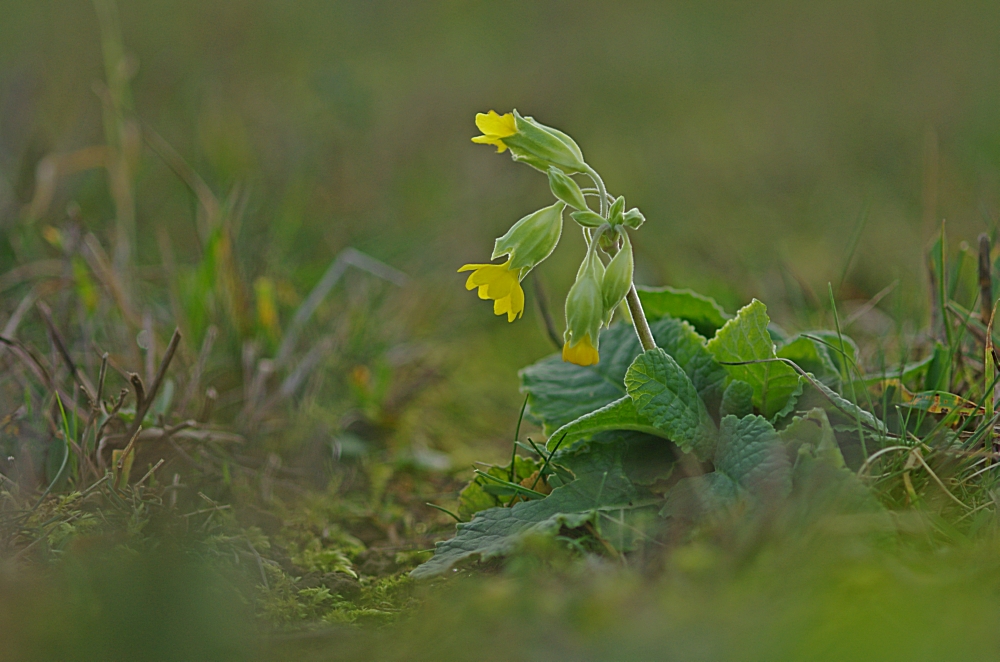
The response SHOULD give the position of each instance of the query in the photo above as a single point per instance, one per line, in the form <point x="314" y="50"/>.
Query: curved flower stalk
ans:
<point x="598" y="289"/>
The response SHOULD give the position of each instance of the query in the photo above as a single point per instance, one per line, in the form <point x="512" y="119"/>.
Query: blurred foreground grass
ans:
<point x="203" y="165"/>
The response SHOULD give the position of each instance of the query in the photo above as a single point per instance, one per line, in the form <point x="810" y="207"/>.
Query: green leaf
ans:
<point x="749" y="460"/>
<point x="737" y="400"/>
<point x="619" y="415"/>
<point x="812" y="356"/>
<point x="751" y="454"/>
<point x="682" y="342"/>
<point x="600" y="486"/>
<point x="831" y="340"/>
<point x="664" y="395"/>
<point x="745" y="338"/>
<point x="645" y="459"/>
<point x="823" y="485"/>
<point x="811" y="434"/>
<point x="702" y="312"/>
<point x="474" y="498"/>
<point x="939" y="369"/>
<point x="906" y="373"/>
<point x="848" y="409"/>
<point x="560" y="392"/>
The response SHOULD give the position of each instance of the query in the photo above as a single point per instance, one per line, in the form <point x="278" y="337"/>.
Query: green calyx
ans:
<point x="588" y="219"/>
<point x="615" y="213"/>
<point x="617" y="279"/>
<point x="565" y="189"/>
<point x="532" y="239"/>
<point x="585" y="301"/>
<point x="542" y="146"/>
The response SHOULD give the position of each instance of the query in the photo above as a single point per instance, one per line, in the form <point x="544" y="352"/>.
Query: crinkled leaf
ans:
<point x="746" y="338"/>
<point x="619" y="415"/>
<point x="680" y="341"/>
<point x="664" y="395"/>
<point x="822" y="483"/>
<point x="646" y="459"/>
<point x="813" y="434"/>
<point x="694" y="496"/>
<point x="560" y="392"/>
<point x="751" y="454"/>
<point x="737" y="400"/>
<point x="600" y="486"/>
<point x="702" y="312"/>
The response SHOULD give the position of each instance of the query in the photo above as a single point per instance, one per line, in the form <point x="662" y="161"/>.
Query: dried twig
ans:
<point x="149" y="473"/>
<point x="142" y="407"/>
<point x="81" y="379"/>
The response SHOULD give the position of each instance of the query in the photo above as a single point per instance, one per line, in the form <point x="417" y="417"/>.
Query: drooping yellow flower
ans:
<point x="585" y="311"/>
<point x="583" y="353"/>
<point x="500" y="283"/>
<point x="495" y="127"/>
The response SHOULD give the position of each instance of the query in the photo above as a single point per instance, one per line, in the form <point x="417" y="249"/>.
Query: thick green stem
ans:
<point x="639" y="320"/>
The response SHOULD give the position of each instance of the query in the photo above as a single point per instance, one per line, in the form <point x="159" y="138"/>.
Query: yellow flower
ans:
<point x="583" y="353"/>
<point x="494" y="128"/>
<point x="500" y="283"/>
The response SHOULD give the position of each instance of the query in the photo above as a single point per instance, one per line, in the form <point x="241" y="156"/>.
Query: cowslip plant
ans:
<point x="604" y="278"/>
<point x="690" y="411"/>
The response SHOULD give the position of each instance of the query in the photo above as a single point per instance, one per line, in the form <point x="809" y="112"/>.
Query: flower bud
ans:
<point x="585" y="312"/>
<point x="588" y="218"/>
<point x="540" y="145"/>
<point x="615" y="213"/>
<point x="532" y="239"/>
<point x="633" y="218"/>
<point x="565" y="189"/>
<point x="617" y="279"/>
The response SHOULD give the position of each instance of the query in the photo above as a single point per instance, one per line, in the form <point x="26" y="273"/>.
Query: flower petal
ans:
<point x="502" y="306"/>
<point x="491" y="140"/>
<point x="496" y="125"/>
<point x="582" y="353"/>
<point x="516" y="302"/>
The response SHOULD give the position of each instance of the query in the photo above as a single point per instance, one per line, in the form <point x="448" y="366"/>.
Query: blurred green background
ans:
<point x="752" y="135"/>
<point x="758" y="138"/>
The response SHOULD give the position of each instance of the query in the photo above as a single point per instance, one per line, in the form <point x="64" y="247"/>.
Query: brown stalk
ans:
<point x="543" y="307"/>
<point x="81" y="379"/>
<point x="98" y="438"/>
<point x="143" y="406"/>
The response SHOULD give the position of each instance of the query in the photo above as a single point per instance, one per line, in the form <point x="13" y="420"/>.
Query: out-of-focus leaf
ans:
<point x="600" y="487"/>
